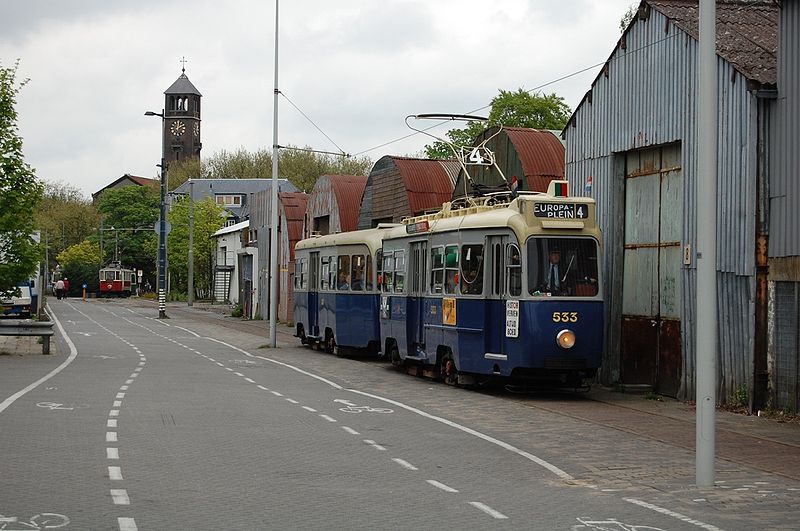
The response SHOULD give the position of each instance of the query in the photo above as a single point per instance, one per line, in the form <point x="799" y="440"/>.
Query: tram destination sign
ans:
<point x="561" y="210"/>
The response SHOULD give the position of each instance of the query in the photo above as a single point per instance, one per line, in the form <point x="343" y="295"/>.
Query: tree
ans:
<point x="132" y="211"/>
<point x="80" y="264"/>
<point x="20" y="193"/>
<point x="65" y="217"/>
<point x="511" y="109"/>
<point x="300" y="166"/>
<point x="627" y="17"/>
<point x="208" y="219"/>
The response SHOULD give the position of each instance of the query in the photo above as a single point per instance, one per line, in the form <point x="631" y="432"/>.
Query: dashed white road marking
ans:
<point x="123" y="388"/>
<point x="311" y="409"/>
<point x="127" y="524"/>
<point x="228" y="369"/>
<point x="249" y="380"/>
<point x="128" y="382"/>
<point x="375" y="445"/>
<point x="349" y="430"/>
<point x="112" y="453"/>
<point x="115" y="473"/>
<point x="403" y="463"/>
<point x="442" y="486"/>
<point x="488" y="510"/>
<point x="220" y="364"/>
<point x="117" y="403"/>
<point x="120" y="395"/>
<point x="291" y="401"/>
<point x="276" y="393"/>
<point x="239" y="374"/>
<point x="329" y="419"/>
<point x="111" y="436"/>
<point x="263" y="388"/>
<point x="113" y="413"/>
<point x="120" y="497"/>
<point x="673" y="514"/>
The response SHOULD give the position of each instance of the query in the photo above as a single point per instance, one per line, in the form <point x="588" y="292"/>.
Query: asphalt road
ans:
<point x="189" y="423"/>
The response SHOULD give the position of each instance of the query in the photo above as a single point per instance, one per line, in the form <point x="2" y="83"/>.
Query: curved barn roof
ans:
<point x="348" y="190"/>
<point x="294" y="207"/>
<point x="534" y="156"/>
<point x="428" y="182"/>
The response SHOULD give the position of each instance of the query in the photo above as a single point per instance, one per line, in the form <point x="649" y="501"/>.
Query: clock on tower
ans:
<point x="182" y="120"/>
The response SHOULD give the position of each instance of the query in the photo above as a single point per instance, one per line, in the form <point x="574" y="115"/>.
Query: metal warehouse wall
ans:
<point x="646" y="96"/>
<point x="785" y="178"/>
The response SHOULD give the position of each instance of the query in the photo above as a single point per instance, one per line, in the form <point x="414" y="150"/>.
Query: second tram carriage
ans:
<point x="491" y="287"/>
<point x="116" y="280"/>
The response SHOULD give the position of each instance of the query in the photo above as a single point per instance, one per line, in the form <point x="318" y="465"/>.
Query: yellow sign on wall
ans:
<point x="449" y="311"/>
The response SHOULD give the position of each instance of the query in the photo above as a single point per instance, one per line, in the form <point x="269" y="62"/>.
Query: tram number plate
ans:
<point x="561" y="210"/>
<point x="512" y="318"/>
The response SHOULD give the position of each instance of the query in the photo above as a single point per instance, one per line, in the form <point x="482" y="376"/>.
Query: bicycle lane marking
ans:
<point x="73" y="353"/>
<point x="527" y="455"/>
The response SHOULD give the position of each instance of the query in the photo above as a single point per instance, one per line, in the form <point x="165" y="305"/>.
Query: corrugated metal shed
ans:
<point x="292" y="215"/>
<point x="334" y="202"/>
<point x="398" y="187"/>
<point x="534" y="156"/>
<point x="645" y="97"/>
<point x="784" y="218"/>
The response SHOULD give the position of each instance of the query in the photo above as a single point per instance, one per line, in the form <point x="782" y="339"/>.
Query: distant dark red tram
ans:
<point x="115" y="280"/>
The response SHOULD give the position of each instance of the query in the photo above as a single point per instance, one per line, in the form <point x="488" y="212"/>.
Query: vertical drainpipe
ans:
<point x="758" y="396"/>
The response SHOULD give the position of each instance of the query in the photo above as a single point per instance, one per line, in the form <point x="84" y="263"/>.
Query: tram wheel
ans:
<point x="447" y="370"/>
<point x="330" y="343"/>
<point x="394" y="356"/>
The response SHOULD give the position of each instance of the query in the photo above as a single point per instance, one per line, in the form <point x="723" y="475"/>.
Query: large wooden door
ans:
<point x="651" y="302"/>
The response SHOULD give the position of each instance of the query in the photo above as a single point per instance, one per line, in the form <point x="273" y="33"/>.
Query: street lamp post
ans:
<point x="162" y="227"/>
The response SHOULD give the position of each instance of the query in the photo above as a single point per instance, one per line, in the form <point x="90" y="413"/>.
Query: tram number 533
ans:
<point x="565" y="317"/>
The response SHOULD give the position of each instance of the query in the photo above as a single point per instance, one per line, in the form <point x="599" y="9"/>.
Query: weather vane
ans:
<point x="183" y="62"/>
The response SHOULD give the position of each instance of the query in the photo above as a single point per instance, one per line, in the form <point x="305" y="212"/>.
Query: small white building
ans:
<point x="234" y="257"/>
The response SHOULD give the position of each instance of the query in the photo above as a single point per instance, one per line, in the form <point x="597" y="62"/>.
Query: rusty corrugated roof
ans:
<point x="747" y="32"/>
<point x="427" y="183"/>
<point x="348" y="190"/>
<point x="541" y="154"/>
<point x="294" y="206"/>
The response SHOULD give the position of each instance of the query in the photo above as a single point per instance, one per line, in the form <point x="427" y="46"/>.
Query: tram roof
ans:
<point x="372" y="238"/>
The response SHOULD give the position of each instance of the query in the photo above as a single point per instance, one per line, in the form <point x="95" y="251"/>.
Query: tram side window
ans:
<point x="388" y="272"/>
<point x="514" y="271"/>
<point x="325" y="270"/>
<point x="343" y="274"/>
<point x="472" y="269"/>
<point x="368" y="274"/>
<point x="437" y="269"/>
<point x="301" y="274"/>
<point x="450" y="269"/>
<point x="109" y="275"/>
<point x="379" y="266"/>
<point x="357" y="273"/>
<point x="399" y="271"/>
<point x="564" y="267"/>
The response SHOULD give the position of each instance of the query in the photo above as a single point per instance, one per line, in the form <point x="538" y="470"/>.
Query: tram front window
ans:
<point x="562" y="267"/>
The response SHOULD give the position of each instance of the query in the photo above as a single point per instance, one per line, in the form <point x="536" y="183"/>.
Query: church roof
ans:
<point x="182" y="85"/>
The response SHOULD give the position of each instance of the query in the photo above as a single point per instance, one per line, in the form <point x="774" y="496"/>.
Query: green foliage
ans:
<point x="20" y="193"/>
<point x="81" y="263"/>
<point x="740" y="397"/>
<point x="132" y="211"/>
<point x="208" y="219"/>
<point x="237" y="311"/>
<point x="510" y="109"/>
<point x="627" y="17"/>
<point x="64" y="218"/>
<point x="300" y="167"/>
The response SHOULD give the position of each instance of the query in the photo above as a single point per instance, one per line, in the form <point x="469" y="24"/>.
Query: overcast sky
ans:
<point x="357" y="68"/>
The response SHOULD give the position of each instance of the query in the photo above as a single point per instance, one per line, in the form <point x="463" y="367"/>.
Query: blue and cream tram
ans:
<point x="499" y="287"/>
<point x="335" y="295"/>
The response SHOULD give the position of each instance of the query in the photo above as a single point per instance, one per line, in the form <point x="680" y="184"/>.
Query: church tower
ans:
<point x="182" y="120"/>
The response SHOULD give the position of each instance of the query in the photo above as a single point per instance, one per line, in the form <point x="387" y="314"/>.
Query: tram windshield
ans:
<point x="563" y="267"/>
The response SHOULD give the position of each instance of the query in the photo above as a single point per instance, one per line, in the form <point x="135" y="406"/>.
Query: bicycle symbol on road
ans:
<point x="350" y="407"/>
<point x="39" y="521"/>
<point x="611" y="524"/>
<point x="55" y="406"/>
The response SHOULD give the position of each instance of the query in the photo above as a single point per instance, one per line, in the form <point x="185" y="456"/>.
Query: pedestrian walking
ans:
<point x="66" y="288"/>
<point x="59" y="289"/>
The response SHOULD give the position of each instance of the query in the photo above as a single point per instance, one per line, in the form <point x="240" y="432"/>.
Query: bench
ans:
<point x="25" y="327"/>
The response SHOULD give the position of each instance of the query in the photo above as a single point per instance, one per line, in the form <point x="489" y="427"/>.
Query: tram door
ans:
<point x="495" y="308"/>
<point x="415" y="318"/>
<point x="313" y="294"/>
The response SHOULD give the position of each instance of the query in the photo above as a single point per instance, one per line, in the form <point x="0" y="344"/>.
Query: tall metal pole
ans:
<point x="191" y="243"/>
<point x="162" y="229"/>
<point x="706" y="193"/>
<point x="273" y="246"/>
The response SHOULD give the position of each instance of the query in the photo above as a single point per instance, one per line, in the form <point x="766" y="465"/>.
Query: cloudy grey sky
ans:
<point x="356" y="67"/>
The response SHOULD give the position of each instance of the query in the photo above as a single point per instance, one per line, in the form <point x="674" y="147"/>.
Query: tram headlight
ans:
<point x="566" y="339"/>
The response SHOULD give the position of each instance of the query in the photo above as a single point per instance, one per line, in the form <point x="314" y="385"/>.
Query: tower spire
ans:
<point x="183" y="62"/>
